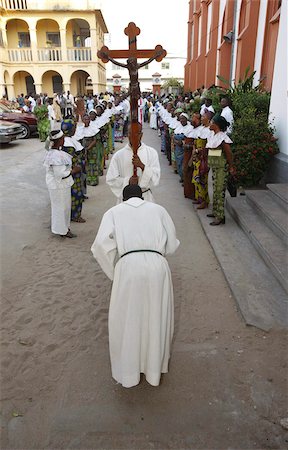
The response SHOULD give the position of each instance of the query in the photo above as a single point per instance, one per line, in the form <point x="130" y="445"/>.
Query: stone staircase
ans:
<point x="263" y="216"/>
<point x="252" y="249"/>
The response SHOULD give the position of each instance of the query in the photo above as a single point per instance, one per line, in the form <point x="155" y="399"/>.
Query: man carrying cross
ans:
<point x="145" y="162"/>
<point x="120" y="171"/>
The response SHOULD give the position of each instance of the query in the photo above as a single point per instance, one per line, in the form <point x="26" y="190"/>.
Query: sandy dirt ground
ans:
<point x="227" y="383"/>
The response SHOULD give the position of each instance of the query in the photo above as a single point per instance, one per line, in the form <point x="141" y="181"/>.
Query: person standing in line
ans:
<point x="153" y="117"/>
<point x="220" y="160"/>
<point x="227" y="113"/>
<point x="74" y="148"/>
<point x="57" y="110"/>
<point x="120" y="171"/>
<point x="90" y="145"/>
<point x="59" y="179"/>
<point x="179" y="134"/>
<point x="131" y="244"/>
<point x="69" y="103"/>
<point x="43" y="123"/>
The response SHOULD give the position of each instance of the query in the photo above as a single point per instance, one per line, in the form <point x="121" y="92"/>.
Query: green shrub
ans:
<point x="253" y="138"/>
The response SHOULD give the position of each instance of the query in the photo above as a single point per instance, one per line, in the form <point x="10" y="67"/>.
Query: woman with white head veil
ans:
<point x="59" y="180"/>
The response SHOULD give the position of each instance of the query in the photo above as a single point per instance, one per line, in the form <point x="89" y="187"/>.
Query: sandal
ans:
<point x="202" y="206"/>
<point x="217" y="222"/>
<point x="79" y="220"/>
<point x="68" y="235"/>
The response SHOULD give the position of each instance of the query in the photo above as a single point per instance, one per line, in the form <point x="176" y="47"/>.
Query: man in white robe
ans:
<point x="120" y="171"/>
<point x="130" y="247"/>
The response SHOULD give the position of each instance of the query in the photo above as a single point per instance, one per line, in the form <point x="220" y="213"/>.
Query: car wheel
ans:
<point x="26" y="131"/>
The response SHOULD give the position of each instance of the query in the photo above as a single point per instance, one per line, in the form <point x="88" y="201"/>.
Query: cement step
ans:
<point x="274" y="214"/>
<point x="280" y="190"/>
<point x="260" y="298"/>
<point x="270" y="247"/>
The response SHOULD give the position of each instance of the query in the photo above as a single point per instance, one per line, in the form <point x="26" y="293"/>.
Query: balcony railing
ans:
<point x="49" y="54"/>
<point x="13" y="4"/>
<point x="79" y="54"/>
<point x="20" y="54"/>
<point x="50" y="4"/>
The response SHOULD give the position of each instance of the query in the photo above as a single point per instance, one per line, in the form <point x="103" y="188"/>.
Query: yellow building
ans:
<point x="51" y="46"/>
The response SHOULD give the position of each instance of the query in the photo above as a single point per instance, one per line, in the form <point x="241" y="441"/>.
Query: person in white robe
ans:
<point x="153" y="117"/>
<point x="120" y="171"/>
<point x="227" y="113"/>
<point x="59" y="180"/>
<point x="131" y="244"/>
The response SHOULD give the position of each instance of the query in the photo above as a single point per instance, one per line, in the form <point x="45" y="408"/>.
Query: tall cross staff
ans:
<point x="158" y="53"/>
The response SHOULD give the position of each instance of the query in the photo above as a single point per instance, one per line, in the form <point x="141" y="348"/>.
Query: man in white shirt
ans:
<point x="32" y="101"/>
<point x="69" y="103"/>
<point x="227" y="113"/>
<point x="207" y="106"/>
<point x="131" y="244"/>
<point x="120" y="171"/>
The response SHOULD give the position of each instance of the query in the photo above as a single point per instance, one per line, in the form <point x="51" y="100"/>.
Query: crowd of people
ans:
<point x="196" y="143"/>
<point x="193" y="144"/>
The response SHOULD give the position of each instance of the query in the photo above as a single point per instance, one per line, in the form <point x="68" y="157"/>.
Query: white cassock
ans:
<point x="59" y="181"/>
<point x="121" y="170"/>
<point x="141" y="313"/>
<point x="153" y="117"/>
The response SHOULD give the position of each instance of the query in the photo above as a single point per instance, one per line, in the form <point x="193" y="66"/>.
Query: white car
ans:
<point x="10" y="131"/>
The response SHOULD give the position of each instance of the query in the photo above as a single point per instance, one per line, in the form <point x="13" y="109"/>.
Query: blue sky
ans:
<point x="161" y="22"/>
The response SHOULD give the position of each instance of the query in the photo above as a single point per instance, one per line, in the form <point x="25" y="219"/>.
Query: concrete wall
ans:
<point x="279" y="99"/>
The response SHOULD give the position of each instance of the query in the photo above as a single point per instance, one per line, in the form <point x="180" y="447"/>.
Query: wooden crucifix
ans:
<point x="158" y="53"/>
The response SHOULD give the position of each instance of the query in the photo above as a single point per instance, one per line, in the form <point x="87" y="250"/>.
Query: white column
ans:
<point x="38" y="88"/>
<point x="236" y="24"/>
<point x="260" y="41"/>
<point x="93" y="34"/>
<point x="10" y="90"/>
<point x="33" y="40"/>
<point x="63" y="44"/>
<point x="279" y="98"/>
<point x="66" y="86"/>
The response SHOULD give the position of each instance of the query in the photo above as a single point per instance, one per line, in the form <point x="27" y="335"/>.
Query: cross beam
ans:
<point x="158" y="53"/>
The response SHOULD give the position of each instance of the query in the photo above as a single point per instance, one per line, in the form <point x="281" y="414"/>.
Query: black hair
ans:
<point x="221" y="122"/>
<point x="132" y="190"/>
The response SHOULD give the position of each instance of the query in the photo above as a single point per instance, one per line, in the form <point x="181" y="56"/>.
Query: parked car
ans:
<point x="10" y="131"/>
<point x="27" y="120"/>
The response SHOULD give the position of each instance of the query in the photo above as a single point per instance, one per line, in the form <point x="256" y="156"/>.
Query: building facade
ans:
<point x="51" y="46"/>
<point x="225" y="37"/>
<point x="172" y="66"/>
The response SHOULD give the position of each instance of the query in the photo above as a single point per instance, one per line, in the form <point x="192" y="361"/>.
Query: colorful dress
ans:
<point x="92" y="175"/>
<point x="218" y="163"/>
<point x="43" y="122"/>
<point x="77" y="196"/>
<point x="189" y="189"/>
<point x="118" y="129"/>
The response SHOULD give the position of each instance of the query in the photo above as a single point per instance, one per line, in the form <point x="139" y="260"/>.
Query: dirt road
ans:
<point x="226" y="388"/>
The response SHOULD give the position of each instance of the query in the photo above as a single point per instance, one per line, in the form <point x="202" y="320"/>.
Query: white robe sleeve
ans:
<point x="113" y="178"/>
<point x="104" y="247"/>
<point x="61" y="172"/>
<point x="172" y="242"/>
<point x="151" y="174"/>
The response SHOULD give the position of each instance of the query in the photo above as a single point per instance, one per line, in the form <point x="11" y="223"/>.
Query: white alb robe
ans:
<point x="58" y="166"/>
<point x="141" y="313"/>
<point x="121" y="170"/>
<point x="153" y="117"/>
